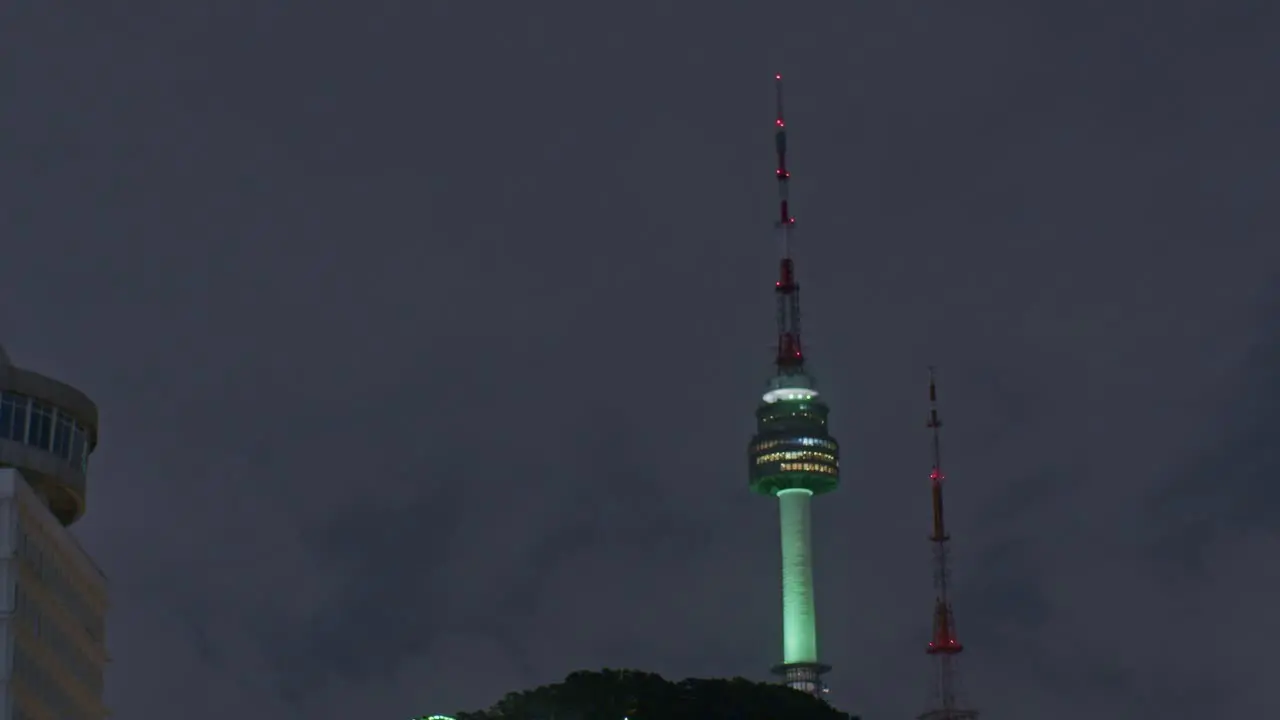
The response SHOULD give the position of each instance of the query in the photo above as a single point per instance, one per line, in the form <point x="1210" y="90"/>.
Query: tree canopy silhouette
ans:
<point x="634" y="695"/>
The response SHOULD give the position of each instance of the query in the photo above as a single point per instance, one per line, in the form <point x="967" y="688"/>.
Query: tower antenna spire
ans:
<point x="790" y="359"/>
<point x="944" y="645"/>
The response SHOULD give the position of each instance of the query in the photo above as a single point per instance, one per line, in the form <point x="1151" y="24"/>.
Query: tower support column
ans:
<point x="799" y="624"/>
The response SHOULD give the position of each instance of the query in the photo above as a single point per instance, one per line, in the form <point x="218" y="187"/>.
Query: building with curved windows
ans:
<point x="53" y="598"/>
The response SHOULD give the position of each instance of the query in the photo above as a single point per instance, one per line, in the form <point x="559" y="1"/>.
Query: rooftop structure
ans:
<point x="48" y="429"/>
<point x="53" y="598"/>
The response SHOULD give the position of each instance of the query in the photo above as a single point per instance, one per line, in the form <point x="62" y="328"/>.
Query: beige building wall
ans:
<point x="54" y="637"/>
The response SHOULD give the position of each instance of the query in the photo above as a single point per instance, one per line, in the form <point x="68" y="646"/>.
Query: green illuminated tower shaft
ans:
<point x="799" y="626"/>
<point x="792" y="456"/>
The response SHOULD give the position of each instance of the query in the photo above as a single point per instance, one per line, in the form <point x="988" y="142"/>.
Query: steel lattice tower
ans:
<point x="792" y="456"/>
<point x="944" y="645"/>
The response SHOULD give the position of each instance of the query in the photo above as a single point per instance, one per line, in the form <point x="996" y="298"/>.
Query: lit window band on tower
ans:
<point x="792" y="456"/>
<point x="944" y="645"/>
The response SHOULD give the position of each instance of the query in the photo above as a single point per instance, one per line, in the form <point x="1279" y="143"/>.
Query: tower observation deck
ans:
<point x="792" y="455"/>
<point x="53" y="624"/>
<point x="48" y="429"/>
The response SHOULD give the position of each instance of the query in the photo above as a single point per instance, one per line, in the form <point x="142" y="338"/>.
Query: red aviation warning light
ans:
<point x="944" y="631"/>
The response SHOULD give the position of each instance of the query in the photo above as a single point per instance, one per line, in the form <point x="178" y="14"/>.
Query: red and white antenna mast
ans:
<point x="944" y="645"/>
<point x="790" y="360"/>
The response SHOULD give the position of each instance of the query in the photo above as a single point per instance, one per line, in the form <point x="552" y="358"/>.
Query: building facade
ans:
<point x="53" y="598"/>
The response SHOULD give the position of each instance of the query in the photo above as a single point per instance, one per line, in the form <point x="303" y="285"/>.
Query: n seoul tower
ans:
<point x="792" y="456"/>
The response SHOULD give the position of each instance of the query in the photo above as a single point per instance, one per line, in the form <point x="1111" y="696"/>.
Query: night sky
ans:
<point x="427" y="338"/>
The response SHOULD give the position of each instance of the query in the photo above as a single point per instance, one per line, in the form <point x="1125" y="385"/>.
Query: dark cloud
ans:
<point x="427" y="338"/>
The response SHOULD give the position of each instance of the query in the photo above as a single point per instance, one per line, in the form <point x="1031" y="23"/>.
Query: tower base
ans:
<point x="805" y="677"/>
<point x="943" y="714"/>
